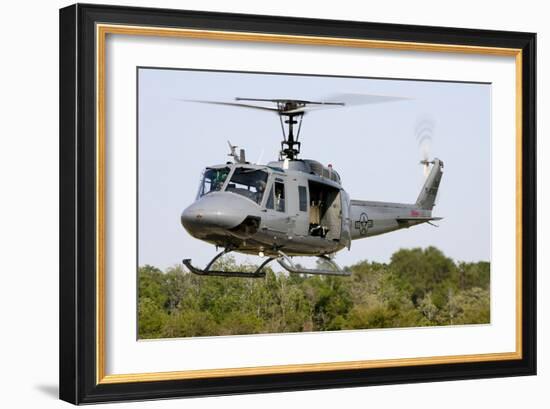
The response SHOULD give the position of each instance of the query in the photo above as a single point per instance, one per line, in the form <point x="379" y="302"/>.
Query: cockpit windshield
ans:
<point x="213" y="180"/>
<point x="249" y="183"/>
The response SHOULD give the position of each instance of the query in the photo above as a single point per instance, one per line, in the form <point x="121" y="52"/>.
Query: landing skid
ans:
<point x="258" y="273"/>
<point x="283" y="260"/>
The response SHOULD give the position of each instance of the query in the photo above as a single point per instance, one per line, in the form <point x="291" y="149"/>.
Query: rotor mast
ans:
<point x="290" y="146"/>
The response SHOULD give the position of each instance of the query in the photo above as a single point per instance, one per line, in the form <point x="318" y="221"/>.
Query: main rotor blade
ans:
<point x="234" y="104"/>
<point x="303" y="110"/>
<point x="296" y="101"/>
<point x="302" y="107"/>
<point x="366" y="99"/>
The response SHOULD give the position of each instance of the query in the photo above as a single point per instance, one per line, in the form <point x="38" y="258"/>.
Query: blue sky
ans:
<point x="373" y="147"/>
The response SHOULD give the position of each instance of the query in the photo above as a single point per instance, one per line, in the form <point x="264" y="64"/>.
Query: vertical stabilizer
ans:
<point x="426" y="198"/>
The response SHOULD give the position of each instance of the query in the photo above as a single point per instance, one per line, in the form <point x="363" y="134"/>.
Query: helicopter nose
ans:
<point x="215" y="211"/>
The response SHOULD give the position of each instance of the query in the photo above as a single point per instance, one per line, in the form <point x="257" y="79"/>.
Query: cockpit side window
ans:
<point x="213" y="180"/>
<point x="250" y="183"/>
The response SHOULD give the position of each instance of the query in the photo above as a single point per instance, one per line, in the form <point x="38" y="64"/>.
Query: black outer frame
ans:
<point x="77" y="204"/>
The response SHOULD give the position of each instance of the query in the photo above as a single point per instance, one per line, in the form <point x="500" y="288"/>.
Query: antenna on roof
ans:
<point x="238" y="158"/>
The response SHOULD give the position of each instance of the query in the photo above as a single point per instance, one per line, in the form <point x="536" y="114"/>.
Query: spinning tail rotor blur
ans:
<point x="424" y="133"/>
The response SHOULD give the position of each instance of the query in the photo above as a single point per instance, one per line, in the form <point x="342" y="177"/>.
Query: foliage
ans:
<point x="419" y="287"/>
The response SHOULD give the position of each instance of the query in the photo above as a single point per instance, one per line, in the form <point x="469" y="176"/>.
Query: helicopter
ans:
<point x="292" y="206"/>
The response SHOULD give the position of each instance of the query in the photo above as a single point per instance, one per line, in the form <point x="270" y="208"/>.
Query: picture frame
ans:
<point x="83" y="218"/>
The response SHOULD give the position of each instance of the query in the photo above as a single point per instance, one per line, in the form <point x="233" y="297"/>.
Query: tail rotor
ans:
<point x="424" y="133"/>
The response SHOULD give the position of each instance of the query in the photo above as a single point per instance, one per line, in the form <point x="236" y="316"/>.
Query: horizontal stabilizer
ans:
<point x="413" y="221"/>
<point x="418" y="219"/>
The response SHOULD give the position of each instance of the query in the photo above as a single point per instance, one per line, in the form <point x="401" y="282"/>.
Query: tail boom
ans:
<point x="369" y="218"/>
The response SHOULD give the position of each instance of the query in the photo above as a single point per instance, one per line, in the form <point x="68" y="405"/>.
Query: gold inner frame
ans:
<point x="101" y="32"/>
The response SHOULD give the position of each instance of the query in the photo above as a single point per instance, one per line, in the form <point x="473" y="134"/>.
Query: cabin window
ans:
<point x="213" y="180"/>
<point x="302" y="197"/>
<point x="279" y="196"/>
<point x="269" y="202"/>
<point x="249" y="183"/>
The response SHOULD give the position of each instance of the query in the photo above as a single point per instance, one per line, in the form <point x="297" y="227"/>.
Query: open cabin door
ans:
<point x="324" y="211"/>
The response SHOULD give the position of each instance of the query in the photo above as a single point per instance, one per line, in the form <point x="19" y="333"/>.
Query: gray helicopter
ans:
<point x="291" y="207"/>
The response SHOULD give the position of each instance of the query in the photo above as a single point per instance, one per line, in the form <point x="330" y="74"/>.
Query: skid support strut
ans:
<point x="285" y="262"/>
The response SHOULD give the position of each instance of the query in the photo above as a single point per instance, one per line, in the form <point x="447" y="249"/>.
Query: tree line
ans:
<point x="418" y="287"/>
